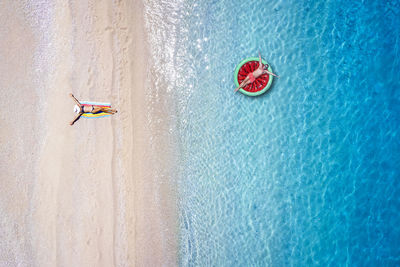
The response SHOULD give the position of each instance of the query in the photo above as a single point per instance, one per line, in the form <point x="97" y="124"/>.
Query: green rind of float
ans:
<point x="244" y="61"/>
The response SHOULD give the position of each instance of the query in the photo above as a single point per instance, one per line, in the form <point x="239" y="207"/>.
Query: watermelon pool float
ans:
<point x="260" y="85"/>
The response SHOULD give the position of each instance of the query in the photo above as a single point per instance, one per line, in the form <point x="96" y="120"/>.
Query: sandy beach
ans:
<point x="95" y="193"/>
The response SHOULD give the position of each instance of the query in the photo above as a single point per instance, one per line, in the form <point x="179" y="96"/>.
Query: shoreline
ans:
<point x="152" y="161"/>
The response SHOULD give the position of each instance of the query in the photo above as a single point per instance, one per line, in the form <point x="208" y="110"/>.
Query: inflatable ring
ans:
<point x="260" y="85"/>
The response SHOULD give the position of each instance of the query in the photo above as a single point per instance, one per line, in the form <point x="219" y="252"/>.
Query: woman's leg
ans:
<point x="110" y="110"/>
<point x="104" y="109"/>
<point x="245" y="82"/>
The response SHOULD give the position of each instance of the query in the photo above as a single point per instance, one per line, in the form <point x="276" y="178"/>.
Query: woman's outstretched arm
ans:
<point x="76" y="100"/>
<point x="76" y="118"/>
<point x="260" y="65"/>
<point x="271" y="73"/>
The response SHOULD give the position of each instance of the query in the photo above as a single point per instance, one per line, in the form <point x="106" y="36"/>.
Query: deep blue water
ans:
<point x="307" y="174"/>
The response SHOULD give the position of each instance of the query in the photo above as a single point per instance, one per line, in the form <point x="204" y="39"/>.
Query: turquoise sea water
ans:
<point x="307" y="174"/>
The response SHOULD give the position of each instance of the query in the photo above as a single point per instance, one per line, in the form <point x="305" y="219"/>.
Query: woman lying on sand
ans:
<point x="80" y="109"/>
<point x="251" y="77"/>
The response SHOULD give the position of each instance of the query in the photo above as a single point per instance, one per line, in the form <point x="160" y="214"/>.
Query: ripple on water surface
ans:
<point x="305" y="174"/>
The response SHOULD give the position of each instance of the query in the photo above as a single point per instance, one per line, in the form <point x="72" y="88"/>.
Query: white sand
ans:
<point x="89" y="194"/>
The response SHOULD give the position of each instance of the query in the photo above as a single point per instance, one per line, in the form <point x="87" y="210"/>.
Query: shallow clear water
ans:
<point x="306" y="174"/>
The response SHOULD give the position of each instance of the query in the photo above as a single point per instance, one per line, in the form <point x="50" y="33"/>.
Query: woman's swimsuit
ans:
<point x="83" y="109"/>
<point x="251" y="77"/>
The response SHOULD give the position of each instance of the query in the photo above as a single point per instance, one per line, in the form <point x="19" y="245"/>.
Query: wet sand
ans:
<point x="97" y="193"/>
